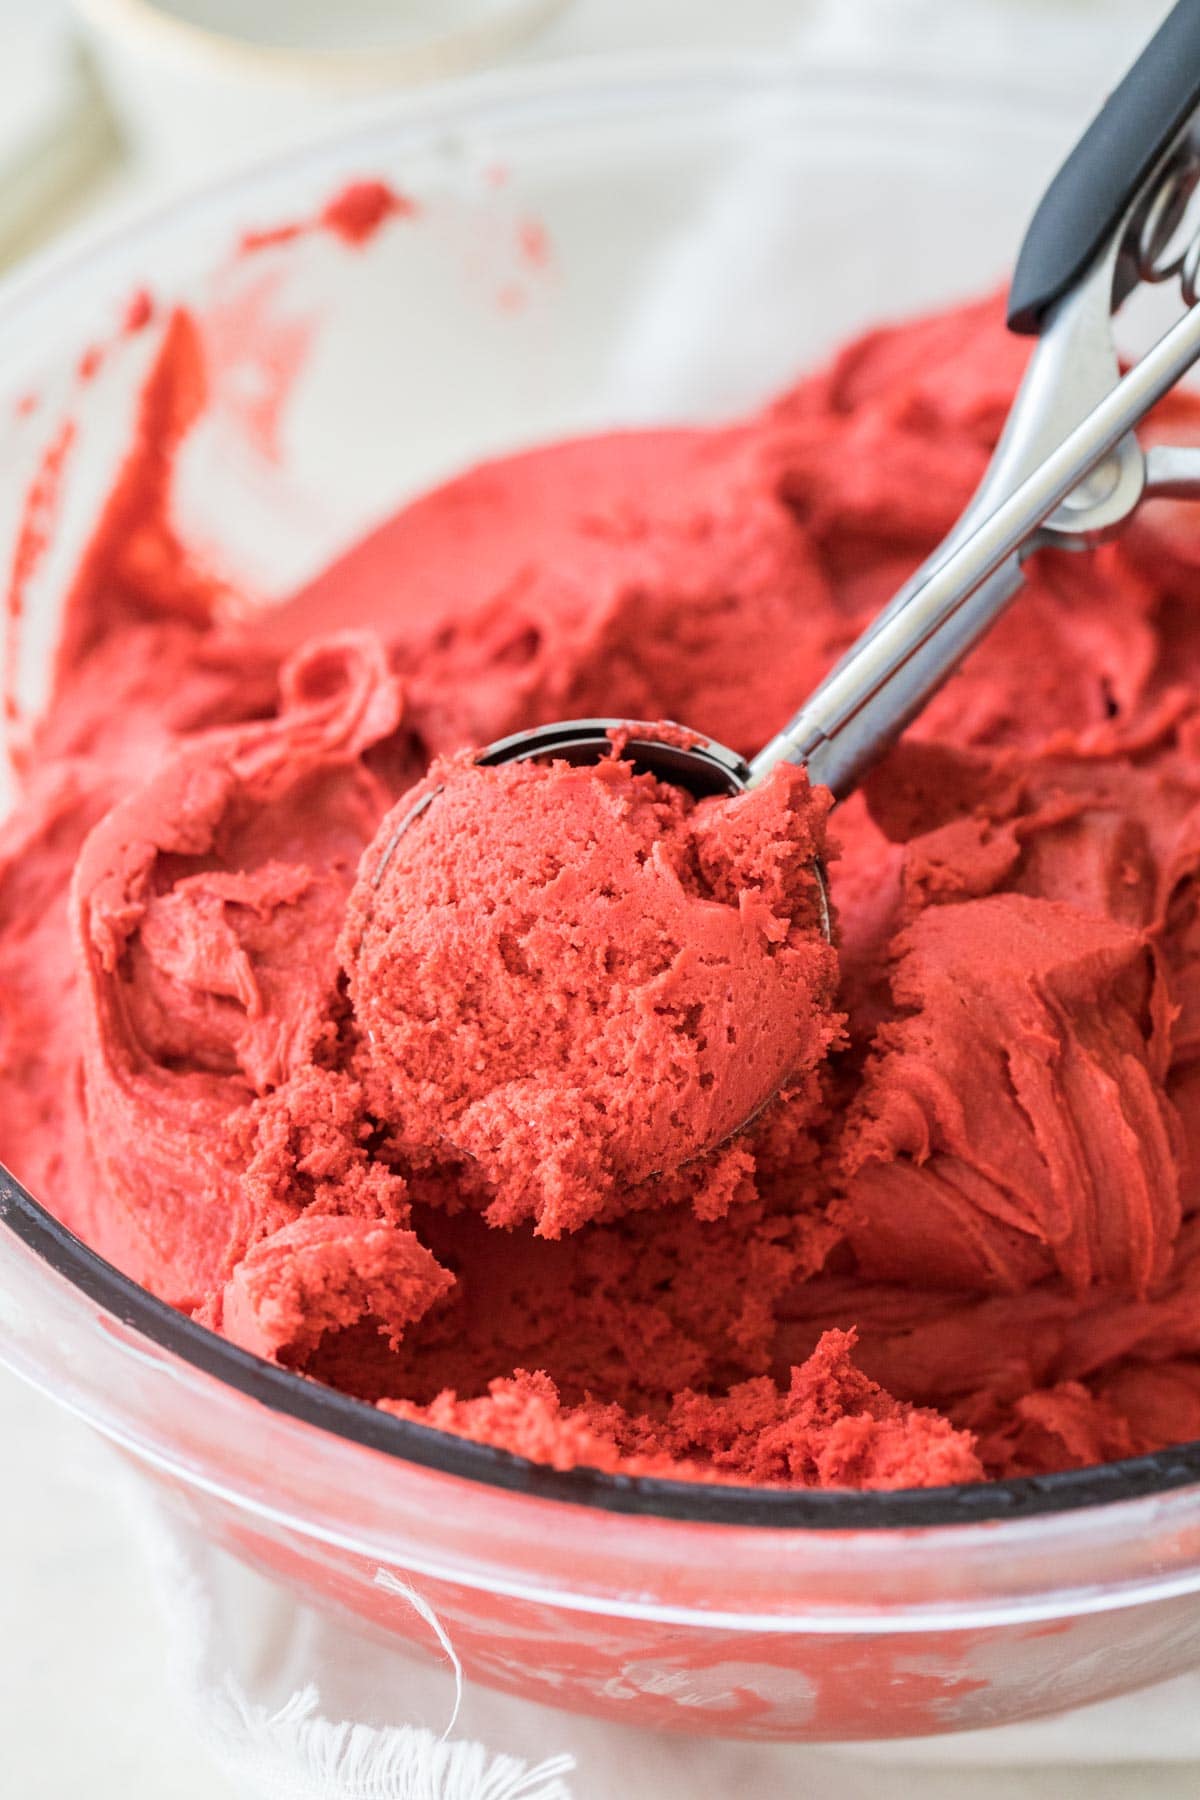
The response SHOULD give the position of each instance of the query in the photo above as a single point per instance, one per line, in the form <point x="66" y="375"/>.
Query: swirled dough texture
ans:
<point x="576" y="982"/>
<point x="443" y="1155"/>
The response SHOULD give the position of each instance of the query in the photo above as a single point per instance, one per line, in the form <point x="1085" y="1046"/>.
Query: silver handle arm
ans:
<point x="1173" y="472"/>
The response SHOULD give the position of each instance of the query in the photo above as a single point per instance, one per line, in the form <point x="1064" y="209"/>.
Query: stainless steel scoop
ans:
<point x="1068" y="471"/>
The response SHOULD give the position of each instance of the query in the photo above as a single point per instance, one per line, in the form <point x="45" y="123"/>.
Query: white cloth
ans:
<point x="294" y="1704"/>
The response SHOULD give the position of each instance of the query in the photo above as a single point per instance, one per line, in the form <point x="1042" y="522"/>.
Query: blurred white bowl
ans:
<point x="200" y="84"/>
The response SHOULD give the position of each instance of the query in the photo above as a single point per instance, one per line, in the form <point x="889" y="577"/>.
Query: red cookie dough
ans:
<point x="576" y="980"/>
<point x="963" y="1242"/>
<point x="1013" y="1121"/>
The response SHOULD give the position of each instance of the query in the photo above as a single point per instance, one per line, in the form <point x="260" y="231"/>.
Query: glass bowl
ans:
<point x="558" y="273"/>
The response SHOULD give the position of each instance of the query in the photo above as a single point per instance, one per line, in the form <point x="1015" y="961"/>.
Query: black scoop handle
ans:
<point x="1085" y="202"/>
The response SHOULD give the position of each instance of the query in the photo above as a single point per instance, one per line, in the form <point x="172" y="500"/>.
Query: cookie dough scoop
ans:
<point x="593" y="952"/>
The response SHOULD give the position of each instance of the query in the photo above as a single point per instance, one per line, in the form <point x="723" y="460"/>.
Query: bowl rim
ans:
<point x="691" y="1502"/>
<point x="499" y="99"/>
<point x="327" y="1409"/>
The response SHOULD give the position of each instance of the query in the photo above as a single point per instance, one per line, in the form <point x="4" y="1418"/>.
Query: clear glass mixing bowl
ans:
<point x="589" y="248"/>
